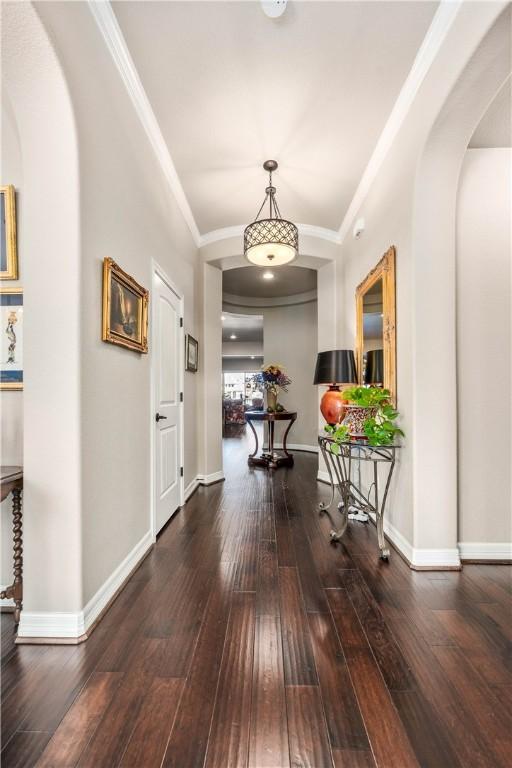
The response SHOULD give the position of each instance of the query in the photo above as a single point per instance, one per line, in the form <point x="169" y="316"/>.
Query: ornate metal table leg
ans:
<point x="322" y="507"/>
<point x="344" y="480"/>
<point x="17" y="587"/>
<point x="253" y="454"/>
<point x="379" y="511"/>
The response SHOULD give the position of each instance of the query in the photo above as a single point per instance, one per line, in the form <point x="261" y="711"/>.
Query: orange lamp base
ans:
<point x="333" y="405"/>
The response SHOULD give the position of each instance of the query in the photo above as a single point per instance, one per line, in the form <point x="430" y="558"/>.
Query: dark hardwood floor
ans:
<point x="247" y="639"/>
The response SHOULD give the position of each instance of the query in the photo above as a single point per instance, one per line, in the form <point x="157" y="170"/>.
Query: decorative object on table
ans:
<point x="374" y="367"/>
<point x="339" y="457"/>
<point x="334" y="369"/>
<point x="273" y="378"/>
<point x="8" y="248"/>
<point x="274" y="241"/>
<point x="375" y="324"/>
<point x="11" y="367"/>
<point x="191" y="354"/>
<point x="270" y="459"/>
<point x="370" y="415"/>
<point x="125" y="309"/>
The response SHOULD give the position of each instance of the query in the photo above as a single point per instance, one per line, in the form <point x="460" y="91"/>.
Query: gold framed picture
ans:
<point x="8" y="250"/>
<point x="125" y="309"/>
<point x="11" y="364"/>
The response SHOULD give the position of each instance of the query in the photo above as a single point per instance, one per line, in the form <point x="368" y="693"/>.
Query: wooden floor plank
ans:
<point x="309" y="744"/>
<point x="73" y="734"/>
<point x="148" y="741"/>
<point x="228" y="743"/>
<point x="388" y="738"/>
<point x="381" y="640"/>
<point x="344" y="721"/>
<point x="352" y="758"/>
<point x="267" y="599"/>
<point x="269" y="731"/>
<point x="23" y="750"/>
<point x="299" y="662"/>
<point x="197" y="701"/>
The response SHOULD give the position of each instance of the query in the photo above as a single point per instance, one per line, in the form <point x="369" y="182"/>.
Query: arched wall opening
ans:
<point x="317" y="254"/>
<point x="434" y="345"/>
<point x="49" y="256"/>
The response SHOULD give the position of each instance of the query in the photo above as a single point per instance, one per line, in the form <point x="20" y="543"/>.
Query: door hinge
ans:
<point x="181" y="471"/>
<point x="181" y="322"/>
<point x="181" y="397"/>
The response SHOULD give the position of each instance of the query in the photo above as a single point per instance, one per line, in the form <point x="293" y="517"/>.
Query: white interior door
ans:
<point x="167" y="351"/>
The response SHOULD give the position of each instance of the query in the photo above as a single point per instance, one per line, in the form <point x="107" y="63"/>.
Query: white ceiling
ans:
<point x="495" y="127"/>
<point x="245" y="327"/>
<point x="312" y="89"/>
<point x="249" y="281"/>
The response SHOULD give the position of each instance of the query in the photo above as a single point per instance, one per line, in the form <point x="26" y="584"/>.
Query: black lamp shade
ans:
<point x="374" y="371"/>
<point x="338" y="366"/>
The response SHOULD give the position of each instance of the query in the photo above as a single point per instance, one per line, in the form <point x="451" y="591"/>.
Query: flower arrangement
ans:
<point x="272" y="378"/>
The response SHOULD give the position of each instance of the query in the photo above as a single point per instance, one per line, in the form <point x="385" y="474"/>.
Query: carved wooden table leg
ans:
<point x="17" y="587"/>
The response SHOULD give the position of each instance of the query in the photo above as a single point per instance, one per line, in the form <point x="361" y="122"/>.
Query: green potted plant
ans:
<point x="369" y="415"/>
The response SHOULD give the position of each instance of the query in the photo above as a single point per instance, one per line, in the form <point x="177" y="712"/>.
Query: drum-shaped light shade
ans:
<point x="374" y="371"/>
<point x="271" y="242"/>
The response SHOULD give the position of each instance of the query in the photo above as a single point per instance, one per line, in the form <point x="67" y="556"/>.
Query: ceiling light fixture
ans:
<point x="273" y="241"/>
<point x="222" y="317"/>
<point x="232" y="336"/>
<point x="268" y="275"/>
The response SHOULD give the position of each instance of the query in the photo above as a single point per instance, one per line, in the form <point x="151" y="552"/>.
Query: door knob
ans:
<point x="159" y="418"/>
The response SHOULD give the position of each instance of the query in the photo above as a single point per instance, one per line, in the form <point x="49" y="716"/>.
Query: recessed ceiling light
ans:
<point x="222" y="317"/>
<point x="268" y="275"/>
<point x="232" y="336"/>
<point x="252" y="357"/>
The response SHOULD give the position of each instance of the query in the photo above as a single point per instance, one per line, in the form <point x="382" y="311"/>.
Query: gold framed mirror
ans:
<point x="375" y="326"/>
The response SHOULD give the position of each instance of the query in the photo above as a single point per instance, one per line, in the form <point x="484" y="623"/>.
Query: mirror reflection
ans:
<point x="373" y="335"/>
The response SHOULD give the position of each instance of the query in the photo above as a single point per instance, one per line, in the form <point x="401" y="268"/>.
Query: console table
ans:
<point x="354" y="503"/>
<point x="270" y="459"/>
<point x="11" y="481"/>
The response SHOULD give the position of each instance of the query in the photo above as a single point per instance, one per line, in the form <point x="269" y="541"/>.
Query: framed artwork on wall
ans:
<point x="11" y="367"/>
<point x="191" y="354"/>
<point x="125" y="309"/>
<point x="8" y="250"/>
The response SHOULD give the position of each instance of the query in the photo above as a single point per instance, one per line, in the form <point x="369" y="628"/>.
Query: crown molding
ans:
<point x="260" y="302"/>
<point x="427" y="53"/>
<point x="111" y="32"/>
<point x="309" y="230"/>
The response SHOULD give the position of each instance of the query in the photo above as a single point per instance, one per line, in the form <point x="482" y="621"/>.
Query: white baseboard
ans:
<point x="435" y="559"/>
<point x="214" y="477"/>
<point x="73" y="627"/>
<point x="189" y="490"/>
<point x="295" y="447"/>
<point x="471" y="550"/>
<point x="323" y="476"/>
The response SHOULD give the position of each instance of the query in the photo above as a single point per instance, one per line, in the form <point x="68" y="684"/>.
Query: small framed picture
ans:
<point x="125" y="309"/>
<point x="11" y="367"/>
<point x="8" y="250"/>
<point x="191" y="354"/>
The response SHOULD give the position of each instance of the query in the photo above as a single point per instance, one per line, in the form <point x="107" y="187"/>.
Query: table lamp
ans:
<point x="333" y="369"/>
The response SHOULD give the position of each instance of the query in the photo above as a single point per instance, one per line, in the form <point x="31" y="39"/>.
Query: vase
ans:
<point x="355" y="418"/>
<point x="333" y="405"/>
<point x="271" y="399"/>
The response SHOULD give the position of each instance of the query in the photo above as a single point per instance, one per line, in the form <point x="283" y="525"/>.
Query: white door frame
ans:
<point x="156" y="269"/>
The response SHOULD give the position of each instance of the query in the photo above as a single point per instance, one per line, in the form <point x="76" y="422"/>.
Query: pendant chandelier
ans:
<point x="273" y="241"/>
